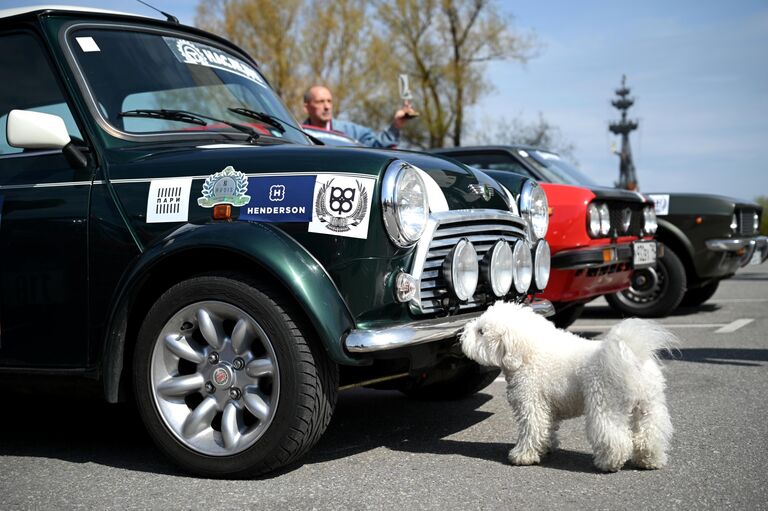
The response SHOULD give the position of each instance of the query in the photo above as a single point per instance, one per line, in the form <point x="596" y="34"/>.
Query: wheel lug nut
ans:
<point x="209" y="387"/>
<point x="186" y="326"/>
<point x="234" y="393"/>
<point x="238" y="363"/>
<point x="213" y="358"/>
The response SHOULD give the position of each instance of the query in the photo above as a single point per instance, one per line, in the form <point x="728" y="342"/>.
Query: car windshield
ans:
<point x="130" y="70"/>
<point x="557" y="169"/>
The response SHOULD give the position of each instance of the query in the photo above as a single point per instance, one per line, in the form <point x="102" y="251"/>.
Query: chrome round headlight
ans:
<point x="497" y="268"/>
<point x="605" y="219"/>
<point x="535" y="208"/>
<point x="593" y="220"/>
<point x="461" y="270"/>
<point x="650" y="223"/>
<point x="541" y="264"/>
<point x="523" y="266"/>
<point x="404" y="203"/>
<point x="734" y="223"/>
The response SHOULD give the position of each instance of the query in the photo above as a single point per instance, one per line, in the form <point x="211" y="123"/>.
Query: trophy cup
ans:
<point x="407" y="97"/>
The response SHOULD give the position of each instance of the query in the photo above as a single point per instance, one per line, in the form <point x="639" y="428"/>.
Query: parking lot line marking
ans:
<point x="587" y="328"/>
<point x="733" y="326"/>
<point x="738" y="300"/>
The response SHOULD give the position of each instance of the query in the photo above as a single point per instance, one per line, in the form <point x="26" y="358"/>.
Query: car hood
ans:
<point x="457" y="182"/>
<point x="700" y="203"/>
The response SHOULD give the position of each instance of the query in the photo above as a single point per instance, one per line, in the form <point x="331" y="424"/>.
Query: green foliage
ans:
<point x="357" y="48"/>
<point x="763" y="201"/>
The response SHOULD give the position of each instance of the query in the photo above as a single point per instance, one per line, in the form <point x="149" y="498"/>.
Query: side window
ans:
<point x="28" y="83"/>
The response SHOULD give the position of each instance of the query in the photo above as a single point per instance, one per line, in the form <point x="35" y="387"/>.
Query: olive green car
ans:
<point x="707" y="238"/>
<point x="169" y="234"/>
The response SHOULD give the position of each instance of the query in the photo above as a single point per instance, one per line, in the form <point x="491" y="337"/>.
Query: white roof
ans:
<point x="5" y="13"/>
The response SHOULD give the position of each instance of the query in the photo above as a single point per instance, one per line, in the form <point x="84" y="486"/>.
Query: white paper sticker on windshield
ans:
<point x="548" y="156"/>
<point x="662" y="204"/>
<point x="87" y="44"/>
<point x="342" y="205"/>
<point x="168" y="200"/>
<point x="199" y="54"/>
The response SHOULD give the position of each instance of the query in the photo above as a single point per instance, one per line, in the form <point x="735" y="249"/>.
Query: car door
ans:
<point x="43" y="222"/>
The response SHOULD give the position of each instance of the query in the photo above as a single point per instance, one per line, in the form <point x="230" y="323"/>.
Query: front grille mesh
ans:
<point x="482" y="233"/>
<point x="617" y="212"/>
<point x="746" y="221"/>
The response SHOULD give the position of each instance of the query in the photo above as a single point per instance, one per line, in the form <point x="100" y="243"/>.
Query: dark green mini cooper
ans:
<point x="169" y="233"/>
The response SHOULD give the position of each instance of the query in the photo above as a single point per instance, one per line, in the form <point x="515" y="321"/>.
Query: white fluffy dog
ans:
<point x="554" y="375"/>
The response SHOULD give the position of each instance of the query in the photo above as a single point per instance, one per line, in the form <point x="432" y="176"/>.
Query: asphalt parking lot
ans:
<point x="383" y="451"/>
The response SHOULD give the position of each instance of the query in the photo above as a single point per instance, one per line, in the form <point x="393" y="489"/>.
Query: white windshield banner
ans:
<point x="198" y="54"/>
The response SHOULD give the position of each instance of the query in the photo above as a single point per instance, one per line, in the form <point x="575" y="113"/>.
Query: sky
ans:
<point x="697" y="69"/>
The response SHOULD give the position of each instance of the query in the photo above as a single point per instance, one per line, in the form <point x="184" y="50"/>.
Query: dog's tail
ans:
<point x="645" y="339"/>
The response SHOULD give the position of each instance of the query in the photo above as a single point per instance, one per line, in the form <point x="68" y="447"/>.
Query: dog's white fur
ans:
<point x="554" y="375"/>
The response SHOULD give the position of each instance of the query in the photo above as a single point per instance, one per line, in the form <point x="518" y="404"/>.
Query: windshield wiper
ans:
<point x="189" y="117"/>
<point x="263" y="117"/>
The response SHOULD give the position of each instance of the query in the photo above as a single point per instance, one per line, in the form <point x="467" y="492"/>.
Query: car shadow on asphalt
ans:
<point x="606" y="312"/>
<point x="365" y="420"/>
<point x="748" y="357"/>
<point x="87" y="430"/>
<point x="751" y="276"/>
<point x="79" y="430"/>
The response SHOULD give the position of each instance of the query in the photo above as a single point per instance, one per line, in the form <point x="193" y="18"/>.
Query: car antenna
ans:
<point x="170" y="17"/>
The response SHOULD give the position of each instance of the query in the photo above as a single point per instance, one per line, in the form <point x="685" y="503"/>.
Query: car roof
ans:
<point x="505" y="147"/>
<point x="16" y="11"/>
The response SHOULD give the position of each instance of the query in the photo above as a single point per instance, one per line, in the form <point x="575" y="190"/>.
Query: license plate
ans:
<point x="644" y="253"/>
<point x="756" y="257"/>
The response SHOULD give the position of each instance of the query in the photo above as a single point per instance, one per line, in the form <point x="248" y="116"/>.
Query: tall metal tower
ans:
<point x="627" y="176"/>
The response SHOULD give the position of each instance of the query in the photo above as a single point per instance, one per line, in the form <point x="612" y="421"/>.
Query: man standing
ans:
<point x="318" y="104"/>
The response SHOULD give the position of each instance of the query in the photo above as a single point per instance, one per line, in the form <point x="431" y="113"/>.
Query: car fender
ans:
<point x="268" y="248"/>
<point x="674" y="237"/>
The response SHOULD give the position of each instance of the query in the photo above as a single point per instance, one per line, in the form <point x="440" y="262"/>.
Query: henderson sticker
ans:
<point x="341" y="205"/>
<point x="226" y="187"/>
<point x="661" y="203"/>
<point x="199" y="54"/>
<point x="168" y="200"/>
<point x="279" y="199"/>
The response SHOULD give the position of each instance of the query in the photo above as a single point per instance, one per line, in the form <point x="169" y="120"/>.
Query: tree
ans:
<point x="298" y="43"/>
<point x="763" y="201"/>
<point x="359" y="47"/>
<point x="540" y="133"/>
<point x="444" y="45"/>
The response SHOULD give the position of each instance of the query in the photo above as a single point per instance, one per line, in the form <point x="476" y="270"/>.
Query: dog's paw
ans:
<point x="650" y="462"/>
<point x="608" y="465"/>
<point x="520" y="457"/>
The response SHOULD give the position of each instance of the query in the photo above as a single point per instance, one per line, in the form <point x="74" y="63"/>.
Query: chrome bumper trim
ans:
<point x="728" y="244"/>
<point x="419" y="332"/>
<point x="759" y="245"/>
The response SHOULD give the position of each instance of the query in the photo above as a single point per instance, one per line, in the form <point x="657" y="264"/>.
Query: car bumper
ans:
<point x="419" y="332"/>
<point x="592" y="257"/>
<point x="756" y="252"/>
<point x="750" y="250"/>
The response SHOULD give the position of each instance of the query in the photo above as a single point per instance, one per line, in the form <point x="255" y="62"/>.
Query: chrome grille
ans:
<point x="481" y="227"/>
<point x="635" y="225"/>
<point x="746" y="223"/>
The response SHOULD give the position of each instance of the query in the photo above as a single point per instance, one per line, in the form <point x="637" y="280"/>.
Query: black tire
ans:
<point x="283" y="373"/>
<point x="565" y="316"/>
<point x="656" y="300"/>
<point x="696" y="296"/>
<point x="467" y="381"/>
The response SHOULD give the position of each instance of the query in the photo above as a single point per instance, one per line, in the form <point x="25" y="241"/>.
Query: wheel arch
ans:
<point x="674" y="238"/>
<point x="251" y="249"/>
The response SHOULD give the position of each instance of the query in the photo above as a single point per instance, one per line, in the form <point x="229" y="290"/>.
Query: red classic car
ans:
<point x="597" y="235"/>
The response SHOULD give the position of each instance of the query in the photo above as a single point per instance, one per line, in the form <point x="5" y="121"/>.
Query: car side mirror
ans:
<point x="36" y="130"/>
